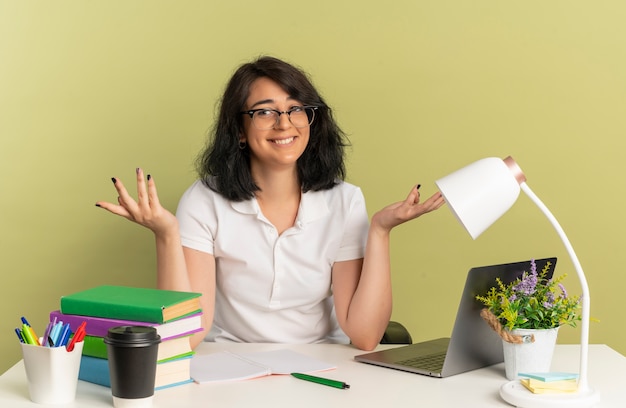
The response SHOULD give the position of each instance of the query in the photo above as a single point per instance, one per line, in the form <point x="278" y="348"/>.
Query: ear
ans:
<point x="242" y="143"/>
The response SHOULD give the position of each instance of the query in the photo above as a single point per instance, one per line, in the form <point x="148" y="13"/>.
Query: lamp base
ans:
<point x="517" y="395"/>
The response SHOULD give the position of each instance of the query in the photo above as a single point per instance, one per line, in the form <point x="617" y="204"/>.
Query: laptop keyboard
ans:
<point x="431" y="362"/>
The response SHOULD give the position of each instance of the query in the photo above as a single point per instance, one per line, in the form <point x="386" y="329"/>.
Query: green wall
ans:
<point x="94" y="89"/>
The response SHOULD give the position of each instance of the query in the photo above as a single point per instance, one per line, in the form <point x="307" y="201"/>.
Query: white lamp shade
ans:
<point x="480" y="193"/>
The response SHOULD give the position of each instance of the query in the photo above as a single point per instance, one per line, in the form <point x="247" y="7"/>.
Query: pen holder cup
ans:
<point x="52" y="373"/>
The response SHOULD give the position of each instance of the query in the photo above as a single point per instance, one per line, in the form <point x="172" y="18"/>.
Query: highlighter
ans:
<point x="26" y="327"/>
<point x="28" y="335"/>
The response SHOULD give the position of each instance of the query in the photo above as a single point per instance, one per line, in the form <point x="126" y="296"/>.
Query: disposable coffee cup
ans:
<point x="52" y="373"/>
<point x="132" y="354"/>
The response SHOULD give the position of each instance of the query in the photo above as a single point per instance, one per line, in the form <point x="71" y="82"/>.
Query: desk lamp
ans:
<point x="478" y="195"/>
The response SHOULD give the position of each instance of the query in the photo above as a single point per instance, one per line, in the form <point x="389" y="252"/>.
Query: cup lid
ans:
<point x="132" y="334"/>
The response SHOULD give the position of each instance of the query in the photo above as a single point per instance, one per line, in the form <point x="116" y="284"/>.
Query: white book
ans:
<point x="227" y="366"/>
<point x="172" y="373"/>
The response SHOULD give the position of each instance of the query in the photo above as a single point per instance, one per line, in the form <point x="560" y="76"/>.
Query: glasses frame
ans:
<point x="251" y="112"/>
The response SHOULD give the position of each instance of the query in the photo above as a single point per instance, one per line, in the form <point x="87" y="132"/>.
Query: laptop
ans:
<point x="473" y="344"/>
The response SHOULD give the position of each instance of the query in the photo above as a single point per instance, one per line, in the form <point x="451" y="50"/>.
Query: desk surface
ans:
<point x="370" y="386"/>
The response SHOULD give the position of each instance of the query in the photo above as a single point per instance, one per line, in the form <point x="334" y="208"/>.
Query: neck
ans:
<point x="277" y="185"/>
<point x="279" y="197"/>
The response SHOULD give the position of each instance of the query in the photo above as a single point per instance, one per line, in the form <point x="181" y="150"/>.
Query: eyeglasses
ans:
<point x="264" y="118"/>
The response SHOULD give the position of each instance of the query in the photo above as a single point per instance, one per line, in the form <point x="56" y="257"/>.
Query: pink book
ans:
<point x="99" y="326"/>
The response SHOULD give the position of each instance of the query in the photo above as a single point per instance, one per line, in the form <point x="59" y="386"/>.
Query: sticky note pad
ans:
<point x="555" y="387"/>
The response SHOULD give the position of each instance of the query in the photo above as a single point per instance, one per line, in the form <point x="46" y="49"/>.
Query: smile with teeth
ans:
<point x="283" y="141"/>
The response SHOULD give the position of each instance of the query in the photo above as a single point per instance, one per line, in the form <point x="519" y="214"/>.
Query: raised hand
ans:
<point x="146" y="211"/>
<point x="403" y="211"/>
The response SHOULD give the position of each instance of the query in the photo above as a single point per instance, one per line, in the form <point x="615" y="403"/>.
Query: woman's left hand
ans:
<point x="403" y="211"/>
<point x="146" y="210"/>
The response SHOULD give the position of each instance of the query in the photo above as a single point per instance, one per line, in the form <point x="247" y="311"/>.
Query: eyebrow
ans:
<point x="264" y="101"/>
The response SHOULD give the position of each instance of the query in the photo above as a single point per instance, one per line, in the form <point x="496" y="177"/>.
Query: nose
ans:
<point x="283" y="121"/>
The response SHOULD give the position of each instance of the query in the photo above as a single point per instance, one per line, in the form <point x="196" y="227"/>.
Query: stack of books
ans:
<point x="174" y="315"/>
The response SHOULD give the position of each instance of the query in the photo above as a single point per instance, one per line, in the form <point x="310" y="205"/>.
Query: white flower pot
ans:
<point x="529" y="357"/>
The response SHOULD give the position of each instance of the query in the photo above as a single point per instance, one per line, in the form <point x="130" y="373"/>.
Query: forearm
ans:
<point x="371" y="305"/>
<point x="171" y="266"/>
<point x="173" y="274"/>
<point x="197" y="338"/>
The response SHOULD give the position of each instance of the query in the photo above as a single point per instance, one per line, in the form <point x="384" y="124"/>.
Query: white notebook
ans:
<point x="227" y="366"/>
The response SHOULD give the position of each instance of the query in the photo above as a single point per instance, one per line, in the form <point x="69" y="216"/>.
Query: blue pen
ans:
<point x="25" y="321"/>
<point x="65" y="335"/>
<point x="53" y="332"/>
<point x="56" y="333"/>
<point x="19" y="335"/>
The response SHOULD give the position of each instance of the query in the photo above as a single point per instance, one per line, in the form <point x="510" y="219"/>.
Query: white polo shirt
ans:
<point x="272" y="288"/>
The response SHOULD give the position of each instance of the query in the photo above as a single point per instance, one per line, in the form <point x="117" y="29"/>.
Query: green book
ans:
<point x="94" y="347"/>
<point x="169" y="350"/>
<point x="131" y="303"/>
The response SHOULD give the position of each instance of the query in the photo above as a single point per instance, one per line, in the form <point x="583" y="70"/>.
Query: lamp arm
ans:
<point x="583" y="385"/>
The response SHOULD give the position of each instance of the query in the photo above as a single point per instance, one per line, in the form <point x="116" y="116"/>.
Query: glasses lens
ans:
<point x="264" y="119"/>
<point x="302" y="116"/>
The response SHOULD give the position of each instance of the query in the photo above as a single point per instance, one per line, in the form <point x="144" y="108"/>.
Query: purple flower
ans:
<point x="563" y="291"/>
<point x="527" y="284"/>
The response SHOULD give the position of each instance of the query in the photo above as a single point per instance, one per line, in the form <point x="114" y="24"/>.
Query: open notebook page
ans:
<point x="227" y="366"/>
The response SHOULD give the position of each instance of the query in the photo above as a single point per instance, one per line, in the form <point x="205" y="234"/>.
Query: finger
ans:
<point x="431" y="204"/>
<point x="115" y="209"/>
<point x="414" y="195"/>
<point x="152" y="192"/>
<point x="142" y="192"/>
<point x="434" y="202"/>
<point x="124" y="198"/>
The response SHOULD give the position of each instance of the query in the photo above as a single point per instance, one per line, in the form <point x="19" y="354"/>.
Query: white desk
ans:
<point x="370" y="386"/>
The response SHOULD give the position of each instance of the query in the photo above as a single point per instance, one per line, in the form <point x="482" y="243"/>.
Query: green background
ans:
<point x="93" y="89"/>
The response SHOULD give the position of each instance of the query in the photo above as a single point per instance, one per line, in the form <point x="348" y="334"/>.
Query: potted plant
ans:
<point x="527" y="314"/>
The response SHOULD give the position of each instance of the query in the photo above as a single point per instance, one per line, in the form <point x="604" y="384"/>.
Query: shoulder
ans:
<point x="201" y="188"/>
<point x="201" y="194"/>
<point x="342" y="197"/>
<point x="345" y="191"/>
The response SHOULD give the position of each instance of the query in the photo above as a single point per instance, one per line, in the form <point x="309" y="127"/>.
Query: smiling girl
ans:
<point x="275" y="240"/>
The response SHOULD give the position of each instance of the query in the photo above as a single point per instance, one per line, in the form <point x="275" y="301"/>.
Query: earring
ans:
<point x="242" y="144"/>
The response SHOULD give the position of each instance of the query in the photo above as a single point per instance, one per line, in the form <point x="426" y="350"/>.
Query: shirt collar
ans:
<point x="312" y="207"/>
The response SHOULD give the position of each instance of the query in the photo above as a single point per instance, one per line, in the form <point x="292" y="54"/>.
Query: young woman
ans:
<point x="279" y="246"/>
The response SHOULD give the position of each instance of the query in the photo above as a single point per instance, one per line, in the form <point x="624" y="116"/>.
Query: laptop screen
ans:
<point x="473" y="344"/>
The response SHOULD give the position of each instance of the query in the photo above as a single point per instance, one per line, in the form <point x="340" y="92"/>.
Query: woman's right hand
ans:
<point x="146" y="211"/>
